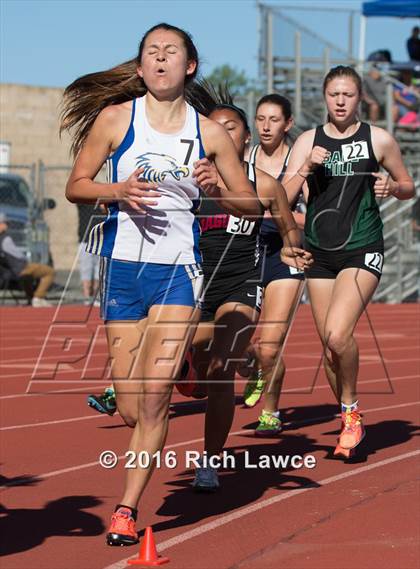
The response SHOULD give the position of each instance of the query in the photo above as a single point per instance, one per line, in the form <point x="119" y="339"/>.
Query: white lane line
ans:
<point x="101" y="381"/>
<point x="56" y="392"/>
<point x="34" y="359"/>
<point x="365" y="382"/>
<point x="68" y="368"/>
<point x="55" y="358"/>
<point x="4" y="377"/>
<point x="193" y="441"/>
<point x="70" y="420"/>
<point x="295" y="390"/>
<point x="44" y="366"/>
<point x="223" y="520"/>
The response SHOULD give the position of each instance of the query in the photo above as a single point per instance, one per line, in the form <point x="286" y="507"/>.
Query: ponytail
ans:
<point x="86" y="97"/>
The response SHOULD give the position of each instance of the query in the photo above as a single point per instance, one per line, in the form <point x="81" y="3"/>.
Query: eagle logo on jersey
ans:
<point x="158" y="166"/>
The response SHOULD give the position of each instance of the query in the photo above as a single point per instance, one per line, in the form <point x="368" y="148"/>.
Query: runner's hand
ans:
<point x="296" y="257"/>
<point x="138" y="192"/>
<point x="384" y="185"/>
<point x="317" y="157"/>
<point x="205" y="173"/>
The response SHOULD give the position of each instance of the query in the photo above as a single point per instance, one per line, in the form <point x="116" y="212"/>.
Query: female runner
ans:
<point x="340" y="161"/>
<point x="136" y="118"/>
<point x="282" y="283"/>
<point x="233" y="292"/>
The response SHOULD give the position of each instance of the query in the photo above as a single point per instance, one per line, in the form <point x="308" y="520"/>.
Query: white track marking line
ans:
<point x="70" y="420"/>
<point x="30" y="362"/>
<point x="365" y="382"/>
<point x="57" y="392"/>
<point x="57" y="421"/>
<point x="223" y="520"/>
<point x="192" y="441"/>
<point x="72" y="370"/>
<point x="102" y="381"/>
<point x="290" y="344"/>
<point x="34" y="359"/>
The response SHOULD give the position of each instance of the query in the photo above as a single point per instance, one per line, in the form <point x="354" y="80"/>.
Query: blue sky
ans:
<point x="51" y="42"/>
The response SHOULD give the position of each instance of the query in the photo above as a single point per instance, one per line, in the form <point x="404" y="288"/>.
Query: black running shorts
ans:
<point x="328" y="264"/>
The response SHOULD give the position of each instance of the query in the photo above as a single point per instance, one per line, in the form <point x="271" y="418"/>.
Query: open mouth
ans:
<point x="160" y="71"/>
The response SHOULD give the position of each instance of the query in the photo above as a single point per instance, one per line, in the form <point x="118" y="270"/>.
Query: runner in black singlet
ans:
<point x="340" y="161"/>
<point x="230" y="248"/>
<point x="232" y="290"/>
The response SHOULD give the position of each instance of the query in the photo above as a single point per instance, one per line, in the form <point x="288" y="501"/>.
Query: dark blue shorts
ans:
<point x="272" y="267"/>
<point x="130" y="289"/>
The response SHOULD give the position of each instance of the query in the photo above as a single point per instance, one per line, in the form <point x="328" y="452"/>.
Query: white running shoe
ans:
<point x="206" y="479"/>
<point x="38" y="302"/>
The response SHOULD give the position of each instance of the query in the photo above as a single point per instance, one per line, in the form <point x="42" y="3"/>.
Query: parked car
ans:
<point x="25" y="217"/>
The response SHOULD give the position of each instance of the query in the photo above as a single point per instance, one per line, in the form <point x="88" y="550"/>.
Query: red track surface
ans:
<point x="56" y="499"/>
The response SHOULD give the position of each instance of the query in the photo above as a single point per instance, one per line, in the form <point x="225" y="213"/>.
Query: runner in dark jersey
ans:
<point x="282" y="283"/>
<point x="340" y="161"/>
<point x="232" y="290"/>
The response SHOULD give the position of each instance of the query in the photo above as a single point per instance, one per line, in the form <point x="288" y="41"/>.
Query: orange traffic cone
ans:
<point x="148" y="555"/>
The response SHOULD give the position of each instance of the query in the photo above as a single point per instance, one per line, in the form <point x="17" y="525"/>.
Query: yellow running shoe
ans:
<point x="254" y="388"/>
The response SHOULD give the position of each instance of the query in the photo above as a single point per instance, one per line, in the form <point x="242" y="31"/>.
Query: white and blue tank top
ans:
<point x="168" y="232"/>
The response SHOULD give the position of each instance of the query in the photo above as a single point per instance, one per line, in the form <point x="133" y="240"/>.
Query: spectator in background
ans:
<point x="374" y="94"/>
<point x="407" y="100"/>
<point x="413" y="44"/>
<point x="13" y="260"/>
<point x="89" y="216"/>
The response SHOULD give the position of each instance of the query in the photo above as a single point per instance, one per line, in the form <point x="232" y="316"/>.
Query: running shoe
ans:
<point x="38" y="302"/>
<point x="104" y="403"/>
<point x="187" y="381"/>
<point x="122" y="530"/>
<point x="269" y="425"/>
<point x="206" y="479"/>
<point x="254" y="388"/>
<point x="353" y="430"/>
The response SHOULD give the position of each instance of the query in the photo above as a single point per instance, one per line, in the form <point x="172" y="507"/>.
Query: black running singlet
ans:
<point x="228" y="244"/>
<point x="270" y="235"/>
<point x="342" y="211"/>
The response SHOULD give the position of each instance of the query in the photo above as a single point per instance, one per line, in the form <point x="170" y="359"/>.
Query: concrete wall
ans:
<point x="29" y="119"/>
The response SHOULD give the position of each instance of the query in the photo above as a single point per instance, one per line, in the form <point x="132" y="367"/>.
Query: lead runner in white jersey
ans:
<point x="168" y="233"/>
<point x="148" y="238"/>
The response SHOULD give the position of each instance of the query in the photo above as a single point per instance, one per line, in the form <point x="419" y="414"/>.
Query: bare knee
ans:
<point x="130" y="419"/>
<point x="337" y="342"/>
<point x="267" y="357"/>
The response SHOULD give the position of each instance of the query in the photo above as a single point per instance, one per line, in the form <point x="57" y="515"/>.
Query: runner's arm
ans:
<point x="398" y="183"/>
<point x="237" y="188"/>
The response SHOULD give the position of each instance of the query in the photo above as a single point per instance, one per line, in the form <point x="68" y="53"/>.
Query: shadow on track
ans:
<point x="23" y="529"/>
<point x="239" y="487"/>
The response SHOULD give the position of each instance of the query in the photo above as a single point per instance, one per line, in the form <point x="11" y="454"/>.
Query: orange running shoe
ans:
<point x="353" y="431"/>
<point x="187" y="381"/>
<point x="122" y="530"/>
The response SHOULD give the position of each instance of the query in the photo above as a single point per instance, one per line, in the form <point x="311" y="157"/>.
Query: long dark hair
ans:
<point x="85" y="98"/>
